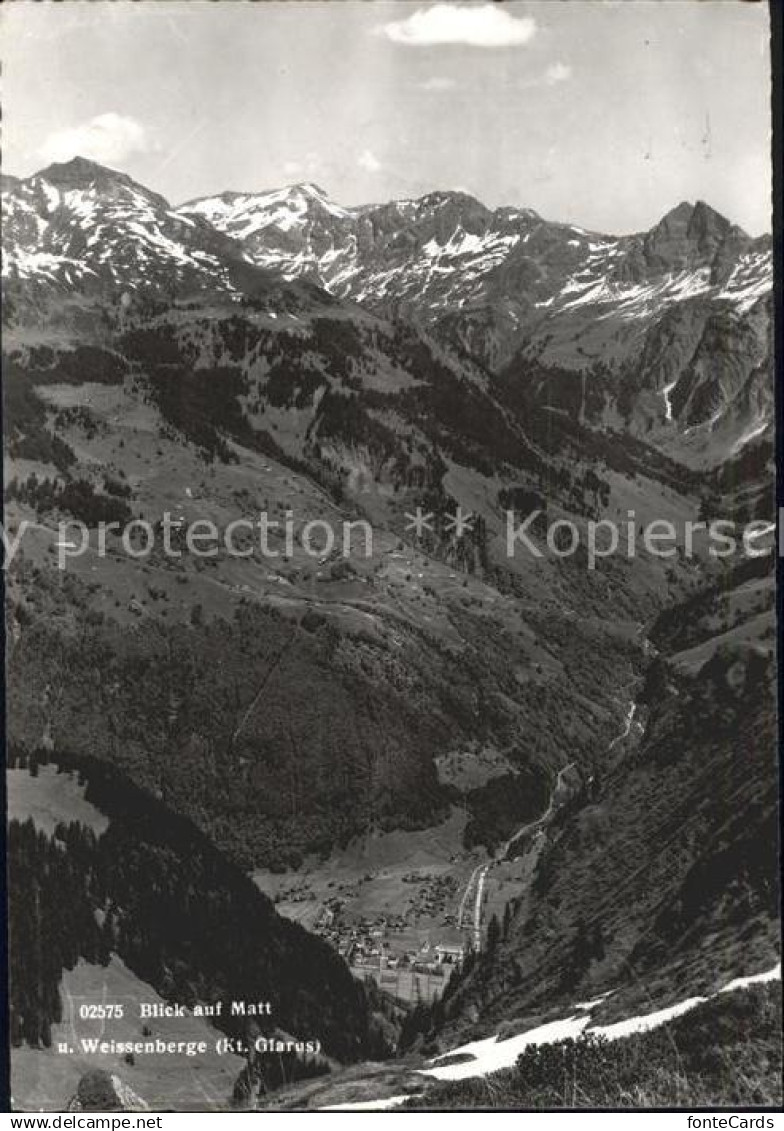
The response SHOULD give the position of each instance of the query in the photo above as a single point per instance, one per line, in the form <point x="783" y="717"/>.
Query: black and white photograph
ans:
<point x="389" y="551"/>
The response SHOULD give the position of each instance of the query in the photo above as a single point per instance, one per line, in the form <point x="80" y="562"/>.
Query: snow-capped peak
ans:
<point x="78" y="222"/>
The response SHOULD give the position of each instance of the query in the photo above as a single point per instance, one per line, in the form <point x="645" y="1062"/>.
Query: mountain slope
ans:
<point x="663" y="874"/>
<point x="725" y="1052"/>
<point x="156" y="894"/>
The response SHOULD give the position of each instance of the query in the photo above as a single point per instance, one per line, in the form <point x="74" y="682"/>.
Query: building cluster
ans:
<point x="371" y="943"/>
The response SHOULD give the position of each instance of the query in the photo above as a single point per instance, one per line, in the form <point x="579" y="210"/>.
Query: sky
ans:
<point x="602" y="113"/>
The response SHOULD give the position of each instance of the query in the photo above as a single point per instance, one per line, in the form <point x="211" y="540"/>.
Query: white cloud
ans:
<point x="107" y="138"/>
<point x="368" y="161"/>
<point x="438" y="83"/>
<point x="558" y="72"/>
<point x="485" y="25"/>
<point x="306" y="166"/>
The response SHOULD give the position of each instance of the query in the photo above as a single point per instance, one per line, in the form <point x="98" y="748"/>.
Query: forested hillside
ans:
<point x="154" y="891"/>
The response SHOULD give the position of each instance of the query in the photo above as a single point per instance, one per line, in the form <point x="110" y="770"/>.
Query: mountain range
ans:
<point x="665" y="333"/>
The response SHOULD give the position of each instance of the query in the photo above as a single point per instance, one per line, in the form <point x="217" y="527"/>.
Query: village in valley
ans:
<point x="411" y="953"/>
<point x="407" y="909"/>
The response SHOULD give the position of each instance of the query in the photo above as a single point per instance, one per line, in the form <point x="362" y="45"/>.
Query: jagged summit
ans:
<point x="82" y="173"/>
<point x="681" y="211"/>
<point x="310" y="187"/>
<point x="229" y="196"/>
<point x="78" y="168"/>
<point x="440" y="198"/>
<point x="691" y="236"/>
<point x="692" y="221"/>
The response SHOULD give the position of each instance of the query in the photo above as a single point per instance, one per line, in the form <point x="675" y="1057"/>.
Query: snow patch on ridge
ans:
<point x="491" y="1054"/>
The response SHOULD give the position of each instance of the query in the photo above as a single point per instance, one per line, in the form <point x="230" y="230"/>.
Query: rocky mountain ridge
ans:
<point x="517" y="291"/>
<point x="79" y="235"/>
<point x="664" y="333"/>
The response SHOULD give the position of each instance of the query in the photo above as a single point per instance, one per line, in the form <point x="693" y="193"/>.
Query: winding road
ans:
<point x="627" y="725"/>
<point x="477" y="879"/>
